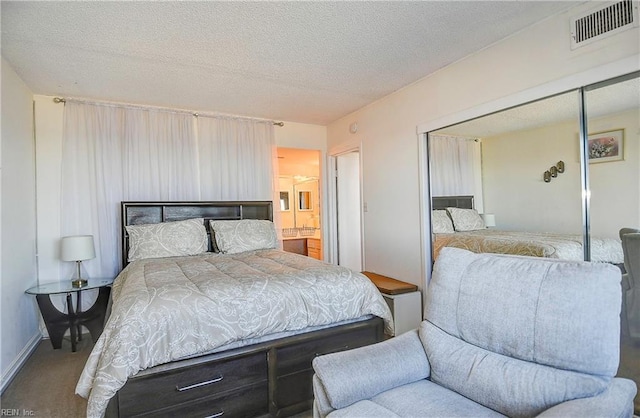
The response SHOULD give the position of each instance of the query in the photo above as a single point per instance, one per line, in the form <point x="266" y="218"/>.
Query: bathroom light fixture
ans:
<point x="489" y="219"/>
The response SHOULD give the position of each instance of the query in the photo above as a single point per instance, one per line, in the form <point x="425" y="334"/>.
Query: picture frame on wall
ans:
<point x="606" y="146"/>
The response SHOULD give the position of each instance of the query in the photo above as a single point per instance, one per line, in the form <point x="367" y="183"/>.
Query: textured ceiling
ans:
<point x="309" y="62"/>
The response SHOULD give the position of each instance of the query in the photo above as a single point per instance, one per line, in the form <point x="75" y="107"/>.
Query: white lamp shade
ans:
<point x="489" y="219"/>
<point x="77" y="248"/>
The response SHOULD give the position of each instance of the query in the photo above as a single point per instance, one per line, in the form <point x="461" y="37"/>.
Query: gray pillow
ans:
<point x="466" y="219"/>
<point x="441" y="222"/>
<point x="167" y="239"/>
<point x="232" y="237"/>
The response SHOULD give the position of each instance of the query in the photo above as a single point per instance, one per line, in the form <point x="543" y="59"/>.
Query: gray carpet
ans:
<point x="46" y="384"/>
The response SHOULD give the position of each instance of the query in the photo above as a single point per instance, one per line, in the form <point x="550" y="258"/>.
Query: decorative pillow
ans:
<point x="234" y="237"/>
<point x="168" y="239"/>
<point x="466" y="219"/>
<point x="441" y="222"/>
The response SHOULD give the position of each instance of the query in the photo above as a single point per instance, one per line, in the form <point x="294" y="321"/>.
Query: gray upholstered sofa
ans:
<point x="502" y="335"/>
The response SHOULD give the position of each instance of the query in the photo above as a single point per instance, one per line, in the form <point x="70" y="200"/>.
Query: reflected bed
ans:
<point x="536" y="244"/>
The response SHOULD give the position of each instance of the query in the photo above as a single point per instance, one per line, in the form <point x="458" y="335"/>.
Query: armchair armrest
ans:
<point x="349" y="376"/>
<point x="616" y="401"/>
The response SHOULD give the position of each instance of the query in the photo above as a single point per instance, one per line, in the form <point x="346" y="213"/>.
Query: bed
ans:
<point x="196" y="332"/>
<point x="473" y="236"/>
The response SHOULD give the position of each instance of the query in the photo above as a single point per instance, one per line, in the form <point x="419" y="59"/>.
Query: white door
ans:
<point x="348" y="210"/>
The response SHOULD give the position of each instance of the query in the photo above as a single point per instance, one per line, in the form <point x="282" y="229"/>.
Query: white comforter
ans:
<point x="167" y="309"/>
<point x="533" y="244"/>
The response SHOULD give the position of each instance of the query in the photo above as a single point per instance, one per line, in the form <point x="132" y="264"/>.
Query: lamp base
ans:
<point x="79" y="282"/>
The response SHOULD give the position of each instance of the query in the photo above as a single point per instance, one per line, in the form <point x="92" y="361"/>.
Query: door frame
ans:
<point x="331" y="255"/>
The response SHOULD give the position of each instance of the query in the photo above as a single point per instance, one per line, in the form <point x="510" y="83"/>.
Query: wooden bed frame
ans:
<point x="272" y="378"/>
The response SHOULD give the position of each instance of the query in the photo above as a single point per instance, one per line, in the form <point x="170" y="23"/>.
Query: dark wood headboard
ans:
<point x="443" y="202"/>
<point x="137" y="213"/>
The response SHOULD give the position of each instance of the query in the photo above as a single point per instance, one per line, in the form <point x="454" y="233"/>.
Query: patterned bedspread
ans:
<point x="535" y="244"/>
<point x="167" y="309"/>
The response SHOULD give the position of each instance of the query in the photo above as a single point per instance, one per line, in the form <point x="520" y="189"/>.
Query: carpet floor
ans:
<point x="45" y="386"/>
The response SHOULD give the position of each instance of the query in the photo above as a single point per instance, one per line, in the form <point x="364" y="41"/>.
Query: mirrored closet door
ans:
<point x="542" y="181"/>
<point x="613" y="145"/>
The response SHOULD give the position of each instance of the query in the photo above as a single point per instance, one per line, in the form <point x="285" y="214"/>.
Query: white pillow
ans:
<point x="441" y="222"/>
<point x="466" y="219"/>
<point x="167" y="239"/>
<point x="234" y="237"/>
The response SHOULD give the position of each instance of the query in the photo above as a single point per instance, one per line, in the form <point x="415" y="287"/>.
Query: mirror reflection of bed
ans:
<point x="500" y="161"/>
<point x="468" y="230"/>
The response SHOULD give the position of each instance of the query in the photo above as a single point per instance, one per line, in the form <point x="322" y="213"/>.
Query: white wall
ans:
<point x="19" y="321"/>
<point x="515" y="192"/>
<point x="615" y="186"/>
<point x="512" y="178"/>
<point x="48" y="123"/>
<point x="301" y="135"/>
<point x="527" y="61"/>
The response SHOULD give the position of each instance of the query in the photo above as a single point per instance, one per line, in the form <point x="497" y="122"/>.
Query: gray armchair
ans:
<point x="630" y="238"/>
<point x="502" y="336"/>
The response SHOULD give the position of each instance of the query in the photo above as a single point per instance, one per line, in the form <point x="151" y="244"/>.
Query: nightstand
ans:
<point x="58" y="322"/>
<point x="404" y="301"/>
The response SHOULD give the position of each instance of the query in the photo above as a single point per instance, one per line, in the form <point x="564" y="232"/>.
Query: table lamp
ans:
<point x="489" y="219"/>
<point x="78" y="248"/>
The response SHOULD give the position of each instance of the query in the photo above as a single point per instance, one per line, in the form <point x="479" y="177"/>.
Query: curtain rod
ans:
<point x="196" y="114"/>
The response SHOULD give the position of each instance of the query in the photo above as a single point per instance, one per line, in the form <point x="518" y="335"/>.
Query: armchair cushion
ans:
<point x="621" y="392"/>
<point x="350" y="376"/>
<point x="552" y="312"/>
<point x="516" y="388"/>
<point x="363" y="409"/>
<point x="521" y="334"/>
<point x="427" y="399"/>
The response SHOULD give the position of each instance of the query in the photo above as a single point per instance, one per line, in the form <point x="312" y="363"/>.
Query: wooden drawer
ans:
<point x="297" y="357"/>
<point x="249" y="401"/>
<point x="294" y="389"/>
<point x="314" y="243"/>
<point x="298" y="246"/>
<point x="314" y="248"/>
<point x="317" y="254"/>
<point x="149" y="393"/>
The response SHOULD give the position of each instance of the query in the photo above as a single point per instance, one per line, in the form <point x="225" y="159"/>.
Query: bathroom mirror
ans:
<point x="307" y="205"/>
<point x="304" y="200"/>
<point x="284" y="201"/>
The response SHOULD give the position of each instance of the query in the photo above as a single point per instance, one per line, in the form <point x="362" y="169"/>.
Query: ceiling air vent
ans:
<point x="602" y="22"/>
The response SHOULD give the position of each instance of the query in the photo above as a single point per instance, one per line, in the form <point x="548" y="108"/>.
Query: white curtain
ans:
<point x="236" y="158"/>
<point x="455" y="165"/>
<point x="113" y="153"/>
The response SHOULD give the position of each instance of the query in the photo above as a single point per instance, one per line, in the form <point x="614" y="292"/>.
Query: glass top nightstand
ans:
<point x="58" y="323"/>
<point x="66" y="287"/>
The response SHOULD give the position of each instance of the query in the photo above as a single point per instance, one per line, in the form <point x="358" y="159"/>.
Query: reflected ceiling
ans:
<point x="600" y="102"/>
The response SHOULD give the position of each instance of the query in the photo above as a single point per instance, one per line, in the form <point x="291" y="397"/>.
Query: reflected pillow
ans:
<point x="232" y="237"/>
<point x="466" y="219"/>
<point x="167" y="239"/>
<point x="441" y="222"/>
